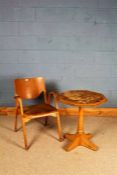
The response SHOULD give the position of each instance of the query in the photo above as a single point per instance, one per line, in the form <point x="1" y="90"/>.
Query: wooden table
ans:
<point x="80" y="98"/>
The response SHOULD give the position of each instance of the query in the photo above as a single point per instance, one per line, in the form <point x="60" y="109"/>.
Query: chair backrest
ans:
<point x="30" y="88"/>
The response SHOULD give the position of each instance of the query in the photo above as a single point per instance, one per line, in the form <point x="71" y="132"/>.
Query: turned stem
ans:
<point x="80" y="127"/>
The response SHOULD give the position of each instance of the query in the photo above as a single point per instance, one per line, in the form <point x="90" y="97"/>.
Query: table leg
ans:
<point x="80" y="138"/>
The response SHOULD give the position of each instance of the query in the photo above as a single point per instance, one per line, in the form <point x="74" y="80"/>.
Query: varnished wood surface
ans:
<point x="70" y="112"/>
<point x="31" y="88"/>
<point x="81" y="98"/>
<point x="40" y="109"/>
<point x="90" y="112"/>
<point x="80" y="140"/>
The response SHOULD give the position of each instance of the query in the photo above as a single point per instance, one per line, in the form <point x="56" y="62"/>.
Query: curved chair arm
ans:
<point x="54" y="95"/>
<point x="19" y="103"/>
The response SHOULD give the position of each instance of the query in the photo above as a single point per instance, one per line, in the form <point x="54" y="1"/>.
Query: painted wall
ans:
<point x="72" y="43"/>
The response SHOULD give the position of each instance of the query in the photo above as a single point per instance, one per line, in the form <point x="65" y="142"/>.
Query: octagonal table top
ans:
<point x="81" y="98"/>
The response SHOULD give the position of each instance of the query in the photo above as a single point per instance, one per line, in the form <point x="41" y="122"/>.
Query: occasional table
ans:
<point x="80" y="98"/>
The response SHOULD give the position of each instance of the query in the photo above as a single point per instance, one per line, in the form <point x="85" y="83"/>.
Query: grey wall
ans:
<point x="72" y="43"/>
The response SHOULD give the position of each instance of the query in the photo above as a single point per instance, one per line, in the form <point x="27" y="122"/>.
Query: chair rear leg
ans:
<point x="16" y="116"/>
<point x="24" y="134"/>
<point x="59" y="128"/>
<point x="46" y="121"/>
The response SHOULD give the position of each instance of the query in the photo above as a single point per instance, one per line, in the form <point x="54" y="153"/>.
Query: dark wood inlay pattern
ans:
<point x="81" y="97"/>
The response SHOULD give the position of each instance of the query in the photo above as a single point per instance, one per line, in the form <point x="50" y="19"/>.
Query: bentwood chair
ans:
<point x="32" y="88"/>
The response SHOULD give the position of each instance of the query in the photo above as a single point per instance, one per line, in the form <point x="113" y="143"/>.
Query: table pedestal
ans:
<point x="80" y="138"/>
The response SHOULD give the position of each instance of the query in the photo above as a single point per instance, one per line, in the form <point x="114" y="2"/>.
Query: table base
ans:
<point x="80" y="139"/>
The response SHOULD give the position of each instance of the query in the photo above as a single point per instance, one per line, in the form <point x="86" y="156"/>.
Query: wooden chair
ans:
<point x="31" y="88"/>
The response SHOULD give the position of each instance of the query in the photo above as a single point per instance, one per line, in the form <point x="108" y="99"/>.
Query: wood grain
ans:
<point x="93" y="112"/>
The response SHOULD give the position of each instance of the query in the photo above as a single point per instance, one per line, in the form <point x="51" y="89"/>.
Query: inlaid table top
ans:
<point x="81" y="98"/>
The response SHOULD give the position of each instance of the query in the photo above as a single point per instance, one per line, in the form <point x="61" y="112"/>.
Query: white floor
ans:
<point x="46" y="155"/>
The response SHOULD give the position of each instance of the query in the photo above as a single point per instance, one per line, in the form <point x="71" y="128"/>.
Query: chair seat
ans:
<point x="40" y="109"/>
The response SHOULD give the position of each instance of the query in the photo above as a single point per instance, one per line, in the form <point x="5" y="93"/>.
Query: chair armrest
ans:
<point x="19" y="103"/>
<point x="54" y="96"/>
<point x="16" y="96"/>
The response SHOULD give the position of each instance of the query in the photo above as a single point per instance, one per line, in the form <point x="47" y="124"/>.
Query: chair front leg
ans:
<point x="54" y="95"/>
<point x="24" y="133"/>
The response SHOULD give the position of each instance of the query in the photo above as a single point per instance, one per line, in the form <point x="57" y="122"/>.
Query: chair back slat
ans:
<point x="29" y="88"/>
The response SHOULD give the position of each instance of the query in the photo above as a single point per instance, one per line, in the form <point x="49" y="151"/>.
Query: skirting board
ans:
<point x="93" y="112"/>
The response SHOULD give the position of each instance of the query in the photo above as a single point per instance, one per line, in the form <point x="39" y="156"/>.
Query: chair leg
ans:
<point x="46" y="121"/>
<point x="16" y="116"/>
<point x="24" y="134"/>
<point x="59" y="128"/>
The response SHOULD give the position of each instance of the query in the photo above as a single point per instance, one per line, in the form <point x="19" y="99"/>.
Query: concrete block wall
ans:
<point x="72" y="43"/>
